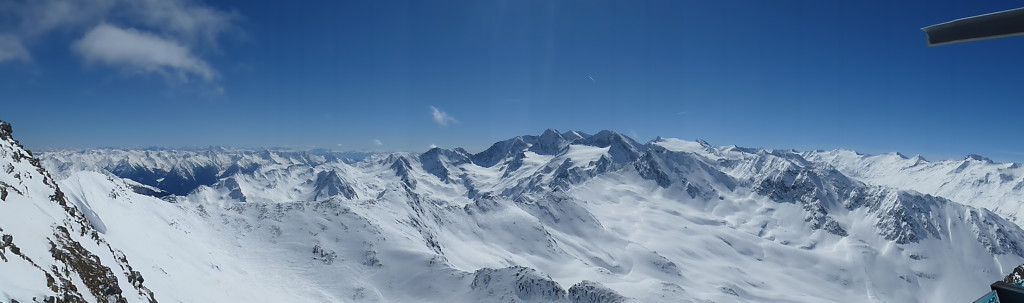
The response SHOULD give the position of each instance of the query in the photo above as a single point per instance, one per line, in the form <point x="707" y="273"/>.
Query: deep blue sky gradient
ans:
<point x="780" y="74"/>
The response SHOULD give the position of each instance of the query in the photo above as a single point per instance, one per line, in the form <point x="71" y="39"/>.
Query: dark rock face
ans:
<point x="100" y="279"/>
<point x="593" y="292"/>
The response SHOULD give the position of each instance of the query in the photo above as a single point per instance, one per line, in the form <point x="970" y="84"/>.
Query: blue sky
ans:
<point x="408" y="74"/>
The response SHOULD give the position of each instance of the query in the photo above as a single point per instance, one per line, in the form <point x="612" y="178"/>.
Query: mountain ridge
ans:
<point x="559" y="217"/>
<point x="49" y="248"/>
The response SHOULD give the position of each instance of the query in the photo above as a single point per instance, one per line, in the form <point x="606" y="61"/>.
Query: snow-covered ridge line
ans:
<point x="974" y="180"/>
<point x="509" y="168"/>
<point x="49" y="250"/>
<point x="664" y="221"/>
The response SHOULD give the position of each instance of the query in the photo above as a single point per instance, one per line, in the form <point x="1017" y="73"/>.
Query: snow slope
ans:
<point x="560" y="217"/>
<point x="974" y="180"/>
<point x="48" y="249"/>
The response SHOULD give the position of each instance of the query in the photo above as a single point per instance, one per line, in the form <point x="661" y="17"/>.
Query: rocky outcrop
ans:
<point x="516" y="284"/>
<point x="593" y="292"/>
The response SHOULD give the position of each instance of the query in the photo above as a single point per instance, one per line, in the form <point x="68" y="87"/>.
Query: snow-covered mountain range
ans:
<point x="974" y="180"/>
<point x="559" y="217"/>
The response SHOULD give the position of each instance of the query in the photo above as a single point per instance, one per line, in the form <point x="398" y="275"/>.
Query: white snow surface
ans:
<point x="603" y="220"/>
<point x="974" y="180"/>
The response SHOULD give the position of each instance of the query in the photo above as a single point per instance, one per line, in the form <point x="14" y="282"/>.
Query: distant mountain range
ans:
<point x="558" y="217"/>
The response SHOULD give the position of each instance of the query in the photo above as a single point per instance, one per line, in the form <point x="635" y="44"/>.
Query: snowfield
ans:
<point x="560" y="217"/>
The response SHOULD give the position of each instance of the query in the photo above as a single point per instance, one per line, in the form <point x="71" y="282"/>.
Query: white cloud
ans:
<point x="188" y="21"/>
<point x="43" y="16"/>
<point x="442" y="118"/>
<point x="433" y="146"/>
<point x="138" y="51"/>
<point x="179" y="31"/>
<point x="377" y="142"/>
<point x="11" y="49"/>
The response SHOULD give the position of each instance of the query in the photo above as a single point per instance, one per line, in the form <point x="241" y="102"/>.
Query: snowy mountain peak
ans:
<point x="621" y="148"/>
<point x="605" y="138"/>
<point x="574" y="135"/>
<point x="402" y="167"/>
<point x="329" y="184"/>
<point x="980" y="158"/>
<point x="440" y="162"/>
<point x="549" y="143"/>
<point x="500" y="151"/>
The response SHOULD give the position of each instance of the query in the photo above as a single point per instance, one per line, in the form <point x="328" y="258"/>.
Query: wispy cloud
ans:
<point x="139" y="52"/>
<point x="190" y="22"/>
<point x="592" y="79"/>
<point x="442" y="118"/>
<point x="11" y="49"/>
<point x="166" y="37"/>
<point x="377" y="142"/>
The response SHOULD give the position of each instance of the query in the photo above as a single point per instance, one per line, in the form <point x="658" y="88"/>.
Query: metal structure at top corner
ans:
<point x="988" y="26"/>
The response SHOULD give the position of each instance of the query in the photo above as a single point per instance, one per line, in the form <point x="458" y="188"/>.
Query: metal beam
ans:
<point x="987" y="26"/>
